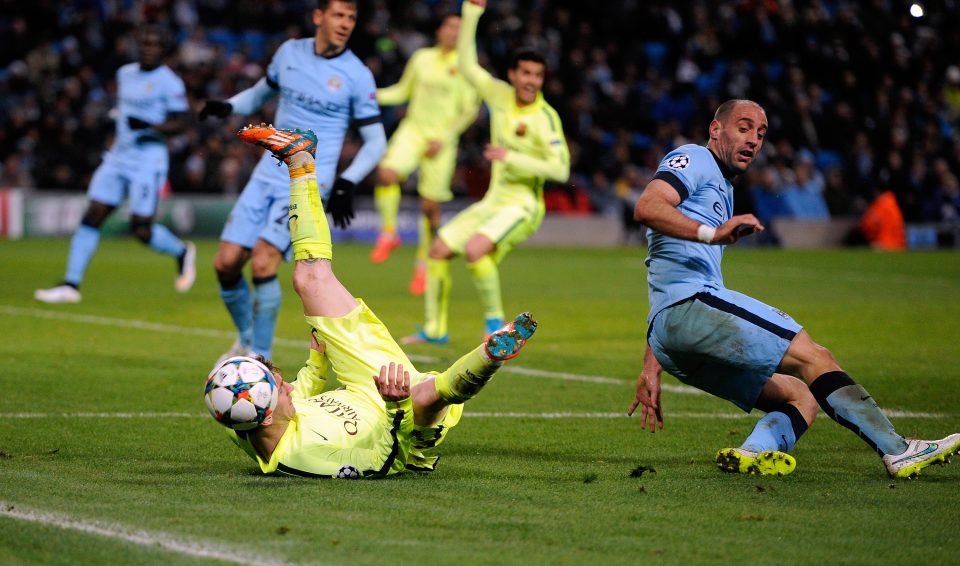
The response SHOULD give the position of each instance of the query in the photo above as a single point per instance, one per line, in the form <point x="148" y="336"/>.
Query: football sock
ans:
<point x="850" y="405"/>
<point x="266" y="307"/>
<point x="437" y="297"/>
<point x="163" y="241"/>
<point x="466" y="376"/>
<point x="777" y="430"/>
<point x="425" y="240"/>
<point x="309" y="229"/>
<point x="236" y="298"/>
<point x="486" y="278"/>
<point x="387" y="200"/>
<point x="83" y="246"/>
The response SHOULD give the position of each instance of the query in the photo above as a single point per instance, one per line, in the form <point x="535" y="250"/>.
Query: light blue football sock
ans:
<point x="163" y="241"/>
<point x="773" y="432"/>
<point x="266" y="308"/>
<point x="851" y="406"/>
<point x="237" y="301"/>
<point x="83" y="246"/>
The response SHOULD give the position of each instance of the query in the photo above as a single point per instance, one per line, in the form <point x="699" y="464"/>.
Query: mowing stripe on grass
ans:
<point x="300" y="344"/>
<point x="134" y="536"/>
<point x="474" y="415"/>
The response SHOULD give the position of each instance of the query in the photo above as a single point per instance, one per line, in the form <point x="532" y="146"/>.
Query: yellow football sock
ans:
<point x="426" y="239"/>
<point x="466" y="376"/>
<point x="486" y="278"/>
<point x="309" y="230"/>
<point x="387" y="200"/>
<point x="437" y="297"/>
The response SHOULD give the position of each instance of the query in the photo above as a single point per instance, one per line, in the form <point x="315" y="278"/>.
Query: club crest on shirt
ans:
<point x="679" y="161"/>
<point x="521" y="129"/>
<point x="334" y="83"/>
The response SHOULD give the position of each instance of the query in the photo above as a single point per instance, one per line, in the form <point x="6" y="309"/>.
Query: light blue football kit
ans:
<point x="710" y="337"/>
<point x="136" y="165"/>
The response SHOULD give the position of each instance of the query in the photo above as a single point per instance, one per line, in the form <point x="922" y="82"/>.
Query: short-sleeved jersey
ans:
<point x="322" y="94"/>
<point x="532" y="134"/>
<point x="149" y="96"/>
<point x="441" y="102"/>
<point x="678" y="269"/>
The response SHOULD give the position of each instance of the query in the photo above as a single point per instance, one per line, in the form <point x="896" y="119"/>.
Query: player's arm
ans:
<point x="648" y="393"/>
<point x="469" y="108"/>
<point x="249" y="100"/>
<point x="177" y="118"/>
<point x="467" y="49"/>
<point x="312" y="377"/>
<point x="401" y="91"/>
<point x="555" y="166"/>
<point x="657" y="208"/>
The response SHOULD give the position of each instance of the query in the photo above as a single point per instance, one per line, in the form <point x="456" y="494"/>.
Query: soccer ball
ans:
<point x="348" y="472"/>
<point x="241" y="393"/>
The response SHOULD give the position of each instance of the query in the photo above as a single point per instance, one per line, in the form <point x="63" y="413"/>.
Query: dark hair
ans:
<point x="442" y="18"/>
<point x="322" y="5"/>
<point x="526" y="54"/>
<point x="158" y="30"/>
<point x="724" y="110"/>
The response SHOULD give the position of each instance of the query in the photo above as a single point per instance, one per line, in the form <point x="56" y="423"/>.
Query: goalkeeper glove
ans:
<point x="217" y="108"/>
<point x="341" y="202"/>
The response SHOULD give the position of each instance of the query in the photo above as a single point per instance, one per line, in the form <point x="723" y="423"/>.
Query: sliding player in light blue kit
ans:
<point x="322" y="86"/>
<point x="151" y="104"/>
<point x="729" y="344"/>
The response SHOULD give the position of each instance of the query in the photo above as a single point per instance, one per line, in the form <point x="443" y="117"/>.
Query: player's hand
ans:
<point x="494" y="152"/>
<point x="393" y="383"/>
<point x="433" y="148"/>
<point x="137" y="124"/>
<point x="218" y="108"/>
<point x="317" y="344"/>
<point x="648" y="395"/>
<point x="341" y="203"/>
<point x="737" y="227"/>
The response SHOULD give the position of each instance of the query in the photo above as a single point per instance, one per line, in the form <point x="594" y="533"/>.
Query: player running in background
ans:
<point x="322" y="86"/>
<point x="151" y="105"/>
<point x="527" y="148"/>
<point x="729" y="344"/>
<point x="387" y="417"/>
<point x="442" y="104"/>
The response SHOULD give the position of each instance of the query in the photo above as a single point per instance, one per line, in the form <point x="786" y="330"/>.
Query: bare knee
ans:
<point x="96" y="213"/>
<point x="229" y="262"/>
<point x="310" y="278"/>
<point x="431" y="211"/>
<point x="440" y="250"/>
<point x="807" y="360"/>
<point x="477" y="247"/>
<point x="142" y="228"/>
<point x="387" y="176"/>
<point x="265" y="261"/>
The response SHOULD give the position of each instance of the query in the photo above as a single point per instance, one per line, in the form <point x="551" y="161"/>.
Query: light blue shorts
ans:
<point x="259" y="214"/>
<point x="722" y="342"/>
<point x="113" y="181"/>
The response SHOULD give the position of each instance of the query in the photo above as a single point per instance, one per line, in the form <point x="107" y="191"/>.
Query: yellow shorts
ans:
<point x="405" y="153"/>
<point x="505" y="226"/>
<point x="357" y="344"/>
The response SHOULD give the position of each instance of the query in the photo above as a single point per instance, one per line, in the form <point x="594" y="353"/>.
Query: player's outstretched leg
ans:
<point x="920" y="454"/>
<point x="506" y="342"/>
<point x="766" y="463"/>
<point x="282" y="143"/>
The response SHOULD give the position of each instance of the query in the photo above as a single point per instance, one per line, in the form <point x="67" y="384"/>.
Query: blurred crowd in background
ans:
<point x="862" y="97"/>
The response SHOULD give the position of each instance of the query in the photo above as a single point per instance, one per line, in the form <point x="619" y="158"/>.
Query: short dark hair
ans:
<point x="724" y="110"/>
<point x="322" y="5"/>
<point x="443" y="17"/>
<point x="527" y="54"/>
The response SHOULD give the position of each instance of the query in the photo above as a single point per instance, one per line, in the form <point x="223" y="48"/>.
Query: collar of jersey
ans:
<point x="727" y="173"/>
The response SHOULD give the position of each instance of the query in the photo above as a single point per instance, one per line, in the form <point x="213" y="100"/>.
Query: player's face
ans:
<point x="284" y="400"/>
<point x="527" y="80"/>
<point x="448" y="31"/>
<point x="335" y="25"/>
<point x="738" y="140"/>
<point x="150" y="48"/>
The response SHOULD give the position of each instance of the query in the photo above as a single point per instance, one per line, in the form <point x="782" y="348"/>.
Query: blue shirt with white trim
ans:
<point x="678" y="269"/>
<point x="149" y="96"/>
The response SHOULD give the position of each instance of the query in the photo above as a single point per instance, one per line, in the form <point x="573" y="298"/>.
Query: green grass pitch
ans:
<point x="107" y="454"/>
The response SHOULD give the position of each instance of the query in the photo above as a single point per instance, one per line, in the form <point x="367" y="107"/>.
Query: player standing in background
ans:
<point x="527" y="148"/>
<point x="729" y="344"/>
<point x="151" y="104"/>
<point x="441" y="106"/>
<point x="371" y="426"/>
<point x="322" y="86"/>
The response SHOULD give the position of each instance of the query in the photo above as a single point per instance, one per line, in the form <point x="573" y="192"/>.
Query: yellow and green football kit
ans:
<point x="513" y="207"/>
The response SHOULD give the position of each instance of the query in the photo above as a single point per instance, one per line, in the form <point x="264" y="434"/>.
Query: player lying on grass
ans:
<point x="388" y="417"/>
<point x="729" y="344"/>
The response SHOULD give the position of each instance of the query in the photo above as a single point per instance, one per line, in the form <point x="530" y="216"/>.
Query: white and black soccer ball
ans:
<point x="348" y="472"/>
<point x="241" y="393"/>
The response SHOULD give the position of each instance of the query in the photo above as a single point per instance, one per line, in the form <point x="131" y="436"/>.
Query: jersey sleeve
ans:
<point x="273" y="69"/>
<point x="389" y="457"/>
<point x="363" y="100"/>
<point x="401" y="91"/>
<point x="683" y="169"/>
<point x="312" y="377"/>
<point x="483" y="81"/>
<point x="555" y="165"/>
<point x="176" y="94"/>
<point x="469" y="106"/>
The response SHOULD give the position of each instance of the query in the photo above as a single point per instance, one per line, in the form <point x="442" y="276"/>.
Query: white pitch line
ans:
<point x="286" y="342"/>
<point x="470" y="414"/>
<point x="135" y="536"/>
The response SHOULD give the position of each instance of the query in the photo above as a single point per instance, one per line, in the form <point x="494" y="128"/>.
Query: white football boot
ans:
<point x="188" y="271"/>
<point x="57" y="295"/>
<point x="920" y="454"/>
